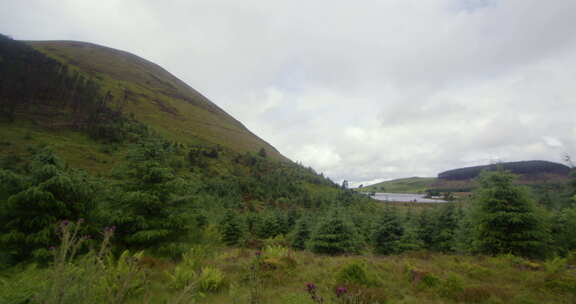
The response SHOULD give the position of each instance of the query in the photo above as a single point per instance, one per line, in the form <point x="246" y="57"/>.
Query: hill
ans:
<point x="532" y="173"/>
<point x="155" y="97"/>
<point x="402" y="185"/>
<point x="83" y="89"/>
<point x="92" y="133"/>
<point x="533" y="168"/>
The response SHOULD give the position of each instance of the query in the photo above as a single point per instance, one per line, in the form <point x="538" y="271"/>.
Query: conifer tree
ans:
<point x="270" y="226"/>
<point x="424" y="225"/>
<point x="506" y="218"/>
<point x="388" y="233"/>
<point x="52" y="194"/>
<point x="147" y="211"/>
<point x="335" y="235"/>
<point x="564" y="231"/>
<point x="445" y="225"/>
<point x="231" y="229"/>
<point x="301" y="234"/>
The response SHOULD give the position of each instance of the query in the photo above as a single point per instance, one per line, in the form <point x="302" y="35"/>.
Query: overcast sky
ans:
<point x="360" y="90"/>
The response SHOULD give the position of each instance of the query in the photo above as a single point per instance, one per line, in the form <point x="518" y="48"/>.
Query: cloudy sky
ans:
<point x="360" y="90"/>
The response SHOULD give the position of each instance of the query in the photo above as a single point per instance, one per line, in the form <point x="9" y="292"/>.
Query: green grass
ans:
<point x="156" y="98"/>
<point x="76" y="148"/>
<point x="403" y="185"/>
<point x="418" y="277"/>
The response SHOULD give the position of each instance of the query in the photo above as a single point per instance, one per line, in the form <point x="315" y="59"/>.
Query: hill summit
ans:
<point x="70" y="85"/>
<point x="532" y="168"/>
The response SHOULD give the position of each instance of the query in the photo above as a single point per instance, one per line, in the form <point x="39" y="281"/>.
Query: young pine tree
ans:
<point x="446" y="224"/>
<point x="388" y="233"/>
<point x="231" y="229"/>
<point x="335" y="235"/>
<point x="34" y="205"/>
<point x="301" y="234"/>
<point x="506" y="218"/>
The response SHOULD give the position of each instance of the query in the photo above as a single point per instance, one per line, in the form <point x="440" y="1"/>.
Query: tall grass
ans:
<point x="277" y="275"/>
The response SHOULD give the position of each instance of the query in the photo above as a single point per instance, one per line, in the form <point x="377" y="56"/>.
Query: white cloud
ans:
<point x="363" y="91"/>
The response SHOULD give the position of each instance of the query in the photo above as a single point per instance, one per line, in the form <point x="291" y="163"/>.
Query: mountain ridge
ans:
<point x="142" y="83"/>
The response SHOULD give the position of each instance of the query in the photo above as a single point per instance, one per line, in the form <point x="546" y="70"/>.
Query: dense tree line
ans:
<point x="33" y="85"/>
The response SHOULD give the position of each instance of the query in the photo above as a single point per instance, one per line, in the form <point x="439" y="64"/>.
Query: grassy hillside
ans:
<point x="402" y="185"/>
<point x="153" y="96"/>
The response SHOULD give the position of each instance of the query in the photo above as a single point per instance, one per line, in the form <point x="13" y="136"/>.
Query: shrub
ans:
<point x="211" y="279"/>
<point x="451" y="287"/>
<point x="181" y="276"/>
<point x="355" y="273"/>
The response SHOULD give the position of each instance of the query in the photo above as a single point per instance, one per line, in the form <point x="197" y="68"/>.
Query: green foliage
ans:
<point x="51" y="195"/>
<point x="564" y="230"/>
<point x="231" y="229"/>
<point x="388" y="233"/>
<point x="445" y="227"/>
<point x="211" y="279"/>
<point x="335" y="235"/>
<point x="355" y="273"/>
<point x="271" y="225"/>
<point x="301" y="234"/>
<point x="147" y="210"/>
<point x="507" y="220"/>
<point x="276" y="252"/>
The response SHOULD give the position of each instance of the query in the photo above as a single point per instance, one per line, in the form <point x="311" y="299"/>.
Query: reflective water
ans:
<point x="405" y="197"/>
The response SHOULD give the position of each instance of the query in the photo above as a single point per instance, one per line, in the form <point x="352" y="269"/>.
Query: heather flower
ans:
<point x="65" y="223"/>
<point x="340" y="291"/>
<point x="310" y="287"/>
<point x="258" y="253"/>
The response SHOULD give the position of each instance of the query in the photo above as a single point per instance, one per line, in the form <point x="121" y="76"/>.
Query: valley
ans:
<point x="119" y="183"/>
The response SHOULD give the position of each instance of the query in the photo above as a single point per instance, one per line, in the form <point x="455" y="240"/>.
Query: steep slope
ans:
<point x="151" y="95"/>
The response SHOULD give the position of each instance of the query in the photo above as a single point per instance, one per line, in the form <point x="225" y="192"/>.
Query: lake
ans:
<point x="405" y="197"/>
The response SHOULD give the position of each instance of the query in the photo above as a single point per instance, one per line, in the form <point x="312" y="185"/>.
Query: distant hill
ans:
<point x="402" y="185"/>
<point x="535" y="172"/>
<point x="534" y="168"/>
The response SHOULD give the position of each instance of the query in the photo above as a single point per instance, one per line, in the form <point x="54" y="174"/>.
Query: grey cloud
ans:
<point x="363" y="91"/>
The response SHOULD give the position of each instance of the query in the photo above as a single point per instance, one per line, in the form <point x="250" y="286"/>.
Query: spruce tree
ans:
<point x="388" y="233"/>
<point x="564" y="231"/>
<point x="231" y="229"/>
<point x="148" y="211"/>
<point x="446" y="223"/>
<point x="506" y="218"/>
<point x="270" y="226"/>
<point x="35" y="205"/>
<point x="425" y="227"/>
<point x="335" y="235"/>
<point x="301" y="235"/>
